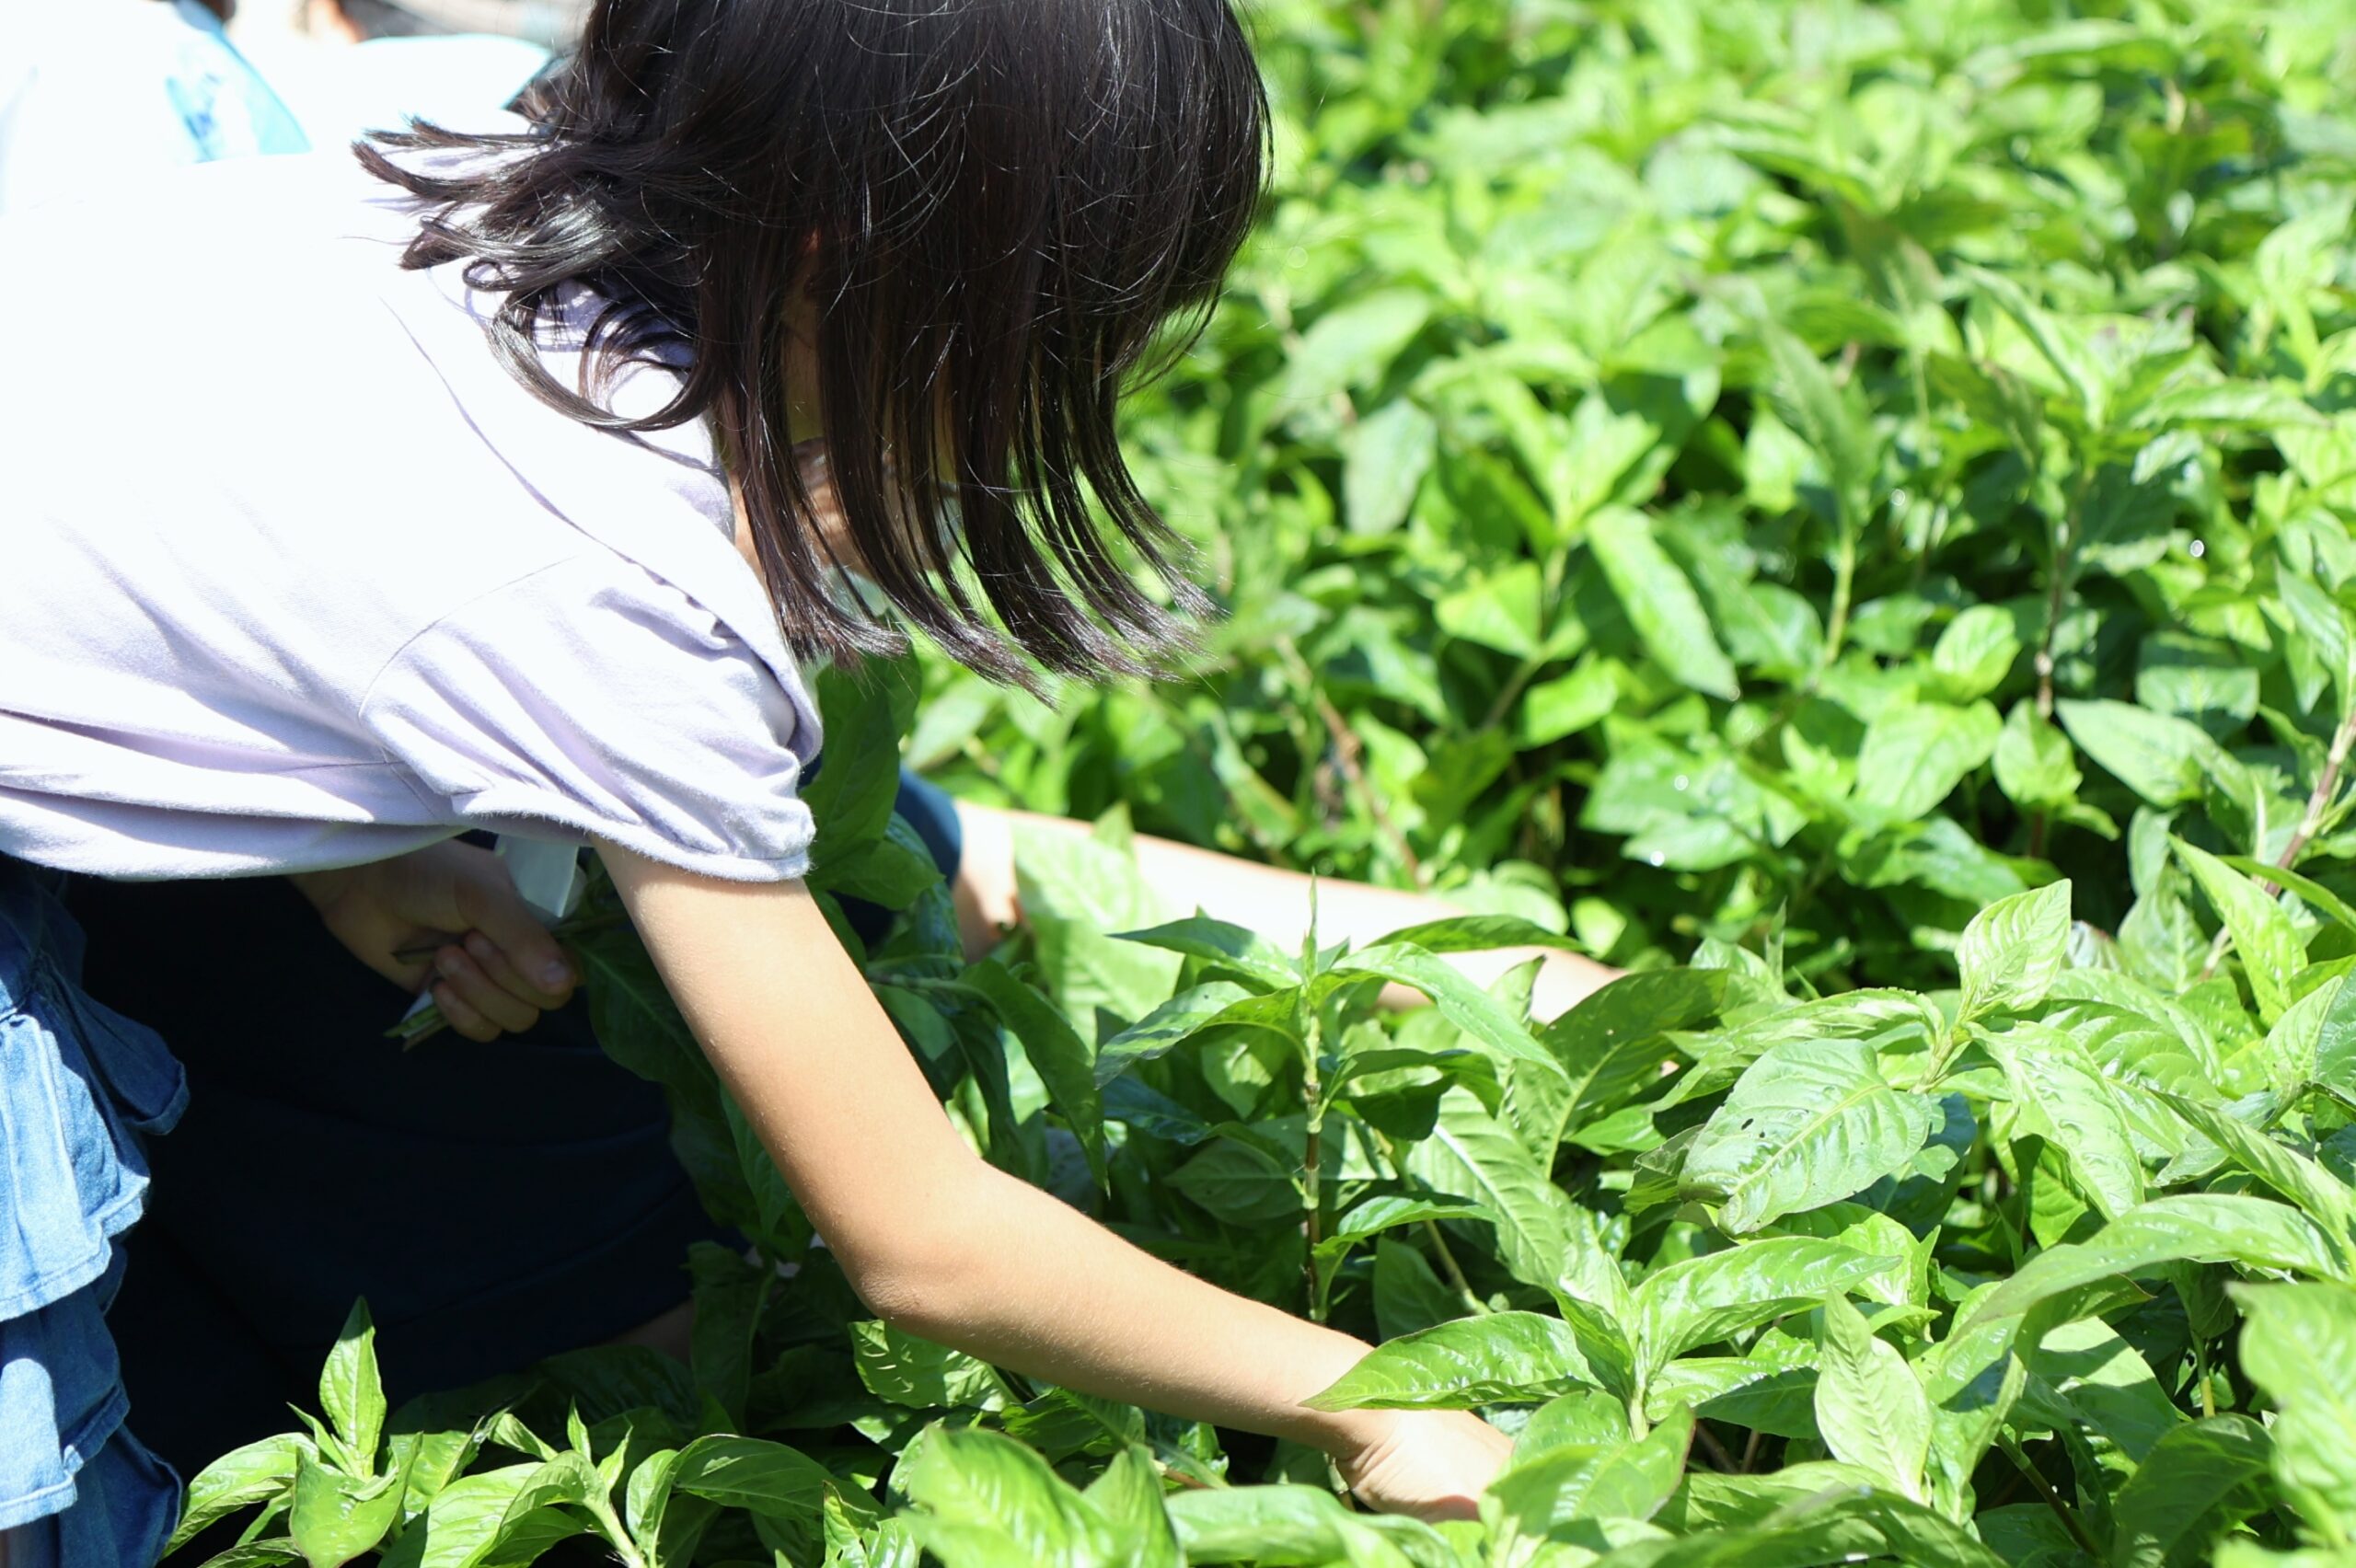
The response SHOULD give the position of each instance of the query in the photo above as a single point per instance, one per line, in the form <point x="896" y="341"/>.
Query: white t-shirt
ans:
<point x="292" y="574"/>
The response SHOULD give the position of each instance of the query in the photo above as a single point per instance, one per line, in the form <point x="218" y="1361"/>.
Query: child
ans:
<point x="555" y="580"/>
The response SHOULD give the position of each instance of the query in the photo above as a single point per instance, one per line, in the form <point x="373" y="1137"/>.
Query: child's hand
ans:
<point x="496" y="969"/>
<point x="1433" y="1464"/>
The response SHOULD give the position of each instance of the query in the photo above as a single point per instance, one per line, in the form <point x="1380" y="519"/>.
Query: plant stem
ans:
<point x="1844" y="584"/>
<point x="1523" y="674"/>
<point x="1439" y="1243"/>
<point x="1309" y="1020"/>
<point x="1718" y="1455"/>
<point x="2310" y="823"/>
<point x="1347" y="749"/>
<point x="2052" y="1499"/>
<point x="2201" y="1371"/>
<point x="1449" y="1266"/>
<point x="2065" y="557"/>
<point x="2319" y="797"/>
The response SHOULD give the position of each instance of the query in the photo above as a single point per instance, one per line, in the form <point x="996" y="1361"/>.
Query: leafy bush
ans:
<point x="1843" y="510"/>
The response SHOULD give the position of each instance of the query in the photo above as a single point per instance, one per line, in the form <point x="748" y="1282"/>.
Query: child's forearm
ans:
<point x="929" y="1235"/>
<point x="1008" y="1273"/>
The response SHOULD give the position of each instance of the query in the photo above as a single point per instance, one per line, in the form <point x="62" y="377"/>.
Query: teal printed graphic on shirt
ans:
<point x="226" y="109"/>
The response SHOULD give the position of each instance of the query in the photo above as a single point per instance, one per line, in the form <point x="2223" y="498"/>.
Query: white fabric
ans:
<point x="92" y="90"/>
<point x="294" y="575"/>
<point x="340" y="91"/>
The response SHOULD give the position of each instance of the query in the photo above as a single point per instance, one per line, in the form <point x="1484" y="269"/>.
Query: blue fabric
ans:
<point x="78" y="1085"/>
<point x="226" y="109"/>
<point x="931" y="810"/>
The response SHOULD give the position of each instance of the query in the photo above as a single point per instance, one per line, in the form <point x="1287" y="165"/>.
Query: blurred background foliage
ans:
<point x="1667" y="464"/>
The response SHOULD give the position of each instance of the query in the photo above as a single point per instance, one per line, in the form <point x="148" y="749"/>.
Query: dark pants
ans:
<point x="495" y="1204"/>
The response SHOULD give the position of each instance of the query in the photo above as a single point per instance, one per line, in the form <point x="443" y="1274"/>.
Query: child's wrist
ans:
<point x="1349" y="1435"/>
<point x="1339" y="1433"/>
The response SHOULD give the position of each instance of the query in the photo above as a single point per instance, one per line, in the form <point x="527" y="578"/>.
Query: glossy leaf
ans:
<point x="1809" y="1124"/>
<point x="1505" y="1357"/>
<point x="1870" y="1407"/>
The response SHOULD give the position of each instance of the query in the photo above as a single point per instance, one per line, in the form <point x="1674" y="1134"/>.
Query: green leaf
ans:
<point x="1554" y="1501"/>
<point x="1810" y="1122"/>
<point x="1661" y="603"/>
<point x="1378" y="1214"/>
<point x="1701" y="1300"/>
<point x="1611" y="1044"/>
<point x="757" y="1476"/>
<point x="1164" y="1029"/>
<point x="470" y="1520"/>
<point x="1829" y="418"/>
<point x="1828" y="1521"/>
<point x="1570" y="703"/>
<point x="2035" y="767"/>
<point x="902" y="1369"/>
<point x="2062" y="1095"/>
<point x="1389" y="451"/>
<point x="1587" y="1418"/>
<point x="1471" y="1156"/>
<point x="2062" y="343"/>
<point x="1240" y="1183"/>
<point x="259" y="1472"/>
<point x="1503" y="610"/>
<point x="1869" y="1405"/>
<point x="1503" y="1357"/>
<point x="1242" y="953"/>
<point x="1461" y="1002"/>
<point x="2167" y="1511"/>
<point x="2325" y="902"/>
<point x="851" y="797"/>
<point x="1129" y="1494"/>
<point x="2269" y="944"/>
<point x="349" y="1390"/>
<point x="2325" y="1197"/>
<point x="1351" y="344"/>
<point x="977" y="1486"/>
<point x="1478" y="933"/>
<point x="1976" y="652"/>
<point x="1273" y="1525"/>
<point x="2299" y="1344"/>
<point x="2012" y="951"/>
<point x="1915" y="755"/>
<point x="2161" y="757"/>
<point x="1064" y="1062"/>
<point x="256" y="1554"/>
<point x="646" y="1498"/>
<point x="2210" y="1228"/>
<point x="335" y="1517"/>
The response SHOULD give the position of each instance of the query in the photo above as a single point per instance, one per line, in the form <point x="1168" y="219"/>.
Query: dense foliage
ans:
<point x="1847" y="510"/>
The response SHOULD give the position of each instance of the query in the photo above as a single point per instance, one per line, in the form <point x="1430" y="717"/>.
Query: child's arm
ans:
<point x="1274" y="902"/>
<point x="949" y="1248"/>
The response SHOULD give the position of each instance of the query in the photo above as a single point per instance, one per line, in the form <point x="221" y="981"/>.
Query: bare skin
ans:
<point x="1267" y="899"/>
<point x="496" y="969"/>
<point x="946" y="1246"/>
<point x="931" y="1238"/>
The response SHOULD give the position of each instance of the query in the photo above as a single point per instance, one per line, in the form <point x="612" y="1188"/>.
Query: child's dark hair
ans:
<point x="995" y="203"/>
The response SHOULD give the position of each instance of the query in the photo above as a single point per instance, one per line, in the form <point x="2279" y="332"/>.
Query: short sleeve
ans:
<point x="594" y="699"/>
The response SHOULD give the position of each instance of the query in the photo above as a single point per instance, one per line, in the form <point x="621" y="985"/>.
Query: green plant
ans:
<point x="1843" y="510"/>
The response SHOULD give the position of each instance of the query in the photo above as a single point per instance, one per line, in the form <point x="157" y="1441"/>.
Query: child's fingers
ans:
<point x="489" y="902"/>
<point x="483" y="996"/>
<point x="462" y="1019"/>
<point x="502" y="973"/>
